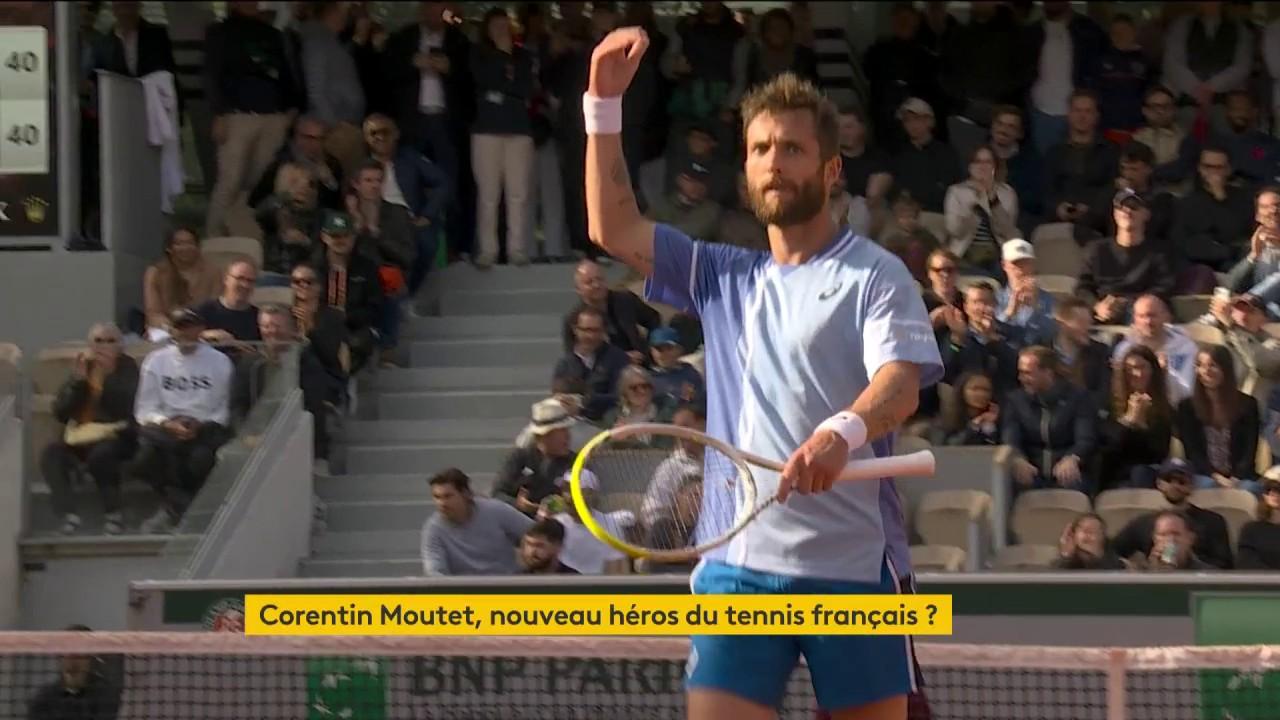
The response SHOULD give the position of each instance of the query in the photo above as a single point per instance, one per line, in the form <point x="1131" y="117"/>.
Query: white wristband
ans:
<point x="602" y="116"/>
<point x="848" y="426"/>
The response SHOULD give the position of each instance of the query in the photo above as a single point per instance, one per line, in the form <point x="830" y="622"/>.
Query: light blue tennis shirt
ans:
<point x="787" y="346"/>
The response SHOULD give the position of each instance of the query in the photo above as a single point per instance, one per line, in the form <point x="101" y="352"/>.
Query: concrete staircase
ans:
<point x="474" y="371"/>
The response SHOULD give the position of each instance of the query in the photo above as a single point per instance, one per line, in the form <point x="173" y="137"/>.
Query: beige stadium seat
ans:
<point x="1118" y="507"/>
<point x="1262" y="463"/>
<point x="954" y="517"/>
<point x="1236" y="506"/>
<point x="222" y="251"/>
<point x="1040" y="515"/>
<point x="935" y="223"/>
<point x="53" y="366"/>
<point x="1026" y="557"/>
<point x="1272" y="329"/>
<point x="1064" y="285"/>
<point x="272" y="296"/>
<point x="1203" y="334"/>
<point x="1057" y="252"/>
<point x="937" y="558"/>
<point x="621" y="501"/>
<point x="139" y="351"/>
<point x="1186" y="308"/>
<point x="10" y="362"/>
<point x="1176" y="450"/>
<point x="907" y="444"/>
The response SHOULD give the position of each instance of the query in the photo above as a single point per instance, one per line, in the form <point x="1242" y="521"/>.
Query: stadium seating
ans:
<point x="225" y="250"/>
<point x="1057" y="252"/>
<point x="1186" y="308"/>
<point x="1236" y="506"/>
<point x="955" y="517"/>
<point x="272" y="296"/>
<point x="10" y="364"/>
<point x="1203" y="334"/>
<point x="1059" y="286"/>
<point x="1118" y="507"/>
<point x="1040" y="515"/>
<point x="935" y="223"/>
<point x="1026" y="557"/>
<point x="937" y="558"/>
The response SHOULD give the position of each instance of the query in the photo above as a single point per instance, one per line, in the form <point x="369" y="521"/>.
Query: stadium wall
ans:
<point x="11" y="464"/>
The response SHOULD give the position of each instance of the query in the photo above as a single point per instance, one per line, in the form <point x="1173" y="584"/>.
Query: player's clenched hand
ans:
<point x="614" y="61"/>
<point x="814" y="467"/>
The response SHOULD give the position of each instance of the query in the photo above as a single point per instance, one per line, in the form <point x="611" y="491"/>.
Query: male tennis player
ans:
<point x="813" y="349"/>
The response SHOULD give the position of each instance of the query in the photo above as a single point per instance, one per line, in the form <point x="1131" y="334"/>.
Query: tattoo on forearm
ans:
<point x="881" y="408"/>
<point x="619" y="174"/>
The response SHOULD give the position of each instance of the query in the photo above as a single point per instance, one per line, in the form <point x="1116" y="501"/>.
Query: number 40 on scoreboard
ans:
<point x="24" y="101"/>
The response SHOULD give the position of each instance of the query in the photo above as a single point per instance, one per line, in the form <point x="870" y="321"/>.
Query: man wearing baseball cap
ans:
<point x="1021" y="303"/>
<point x="689" y="206"/>
<point x="1117" y="271"/>
<point x="351" y="284"/>
<point x="924" y="167"/>
<point x="1175" y="482"/>
<point x="674" y="380"/>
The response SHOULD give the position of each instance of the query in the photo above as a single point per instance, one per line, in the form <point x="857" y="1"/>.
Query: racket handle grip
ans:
<point x="917" y="464"/>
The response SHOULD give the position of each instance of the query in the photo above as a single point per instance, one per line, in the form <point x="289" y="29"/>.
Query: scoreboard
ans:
<point x="24" y="100"/>
<point x="29" y="197"/>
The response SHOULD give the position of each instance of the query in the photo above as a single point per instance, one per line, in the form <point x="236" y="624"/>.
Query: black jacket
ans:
<point x="1212" y="544"/>
<point x="997" y="359"/>
<point x="526" y="468"/>
<point x="625" y="313"/>
<point x="601" y="379"/>
<point x="405" y="79"/>
<point x="246" y="69"/>
<point x="1075" y="173"/>
<point x="1259" y="546"/>
<point x="1071" y="427"/>
<point x="1126" y="272"/>
<point x="1090" y="370"/>
<point x="1211" y="231"/>
<point x="364" y="290"/>
<point x="1124" y="447"/>
<point x="1244" y="438"/>
<point x="1087" y="43"/>
<point x="114" y="405"/>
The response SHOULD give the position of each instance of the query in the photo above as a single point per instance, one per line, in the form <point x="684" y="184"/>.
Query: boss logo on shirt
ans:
<point x="182" y="384"/>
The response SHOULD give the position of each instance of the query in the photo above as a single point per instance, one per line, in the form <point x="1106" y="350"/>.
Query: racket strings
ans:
<point x="678" y="492"/>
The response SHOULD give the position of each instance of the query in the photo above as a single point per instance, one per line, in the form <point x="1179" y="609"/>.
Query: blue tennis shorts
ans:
<point x="847" y="670"/>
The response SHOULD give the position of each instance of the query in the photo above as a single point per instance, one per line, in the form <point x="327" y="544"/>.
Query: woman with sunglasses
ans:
<point x="637" y="402"/>
<point x="326" y="332"/>
<point x="96" y="406"/>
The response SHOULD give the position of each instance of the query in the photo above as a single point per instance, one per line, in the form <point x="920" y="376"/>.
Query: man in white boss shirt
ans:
<point x="182" y="410"/>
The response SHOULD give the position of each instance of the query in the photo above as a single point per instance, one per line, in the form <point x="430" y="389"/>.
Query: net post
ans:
<point x="1117" y="683"/>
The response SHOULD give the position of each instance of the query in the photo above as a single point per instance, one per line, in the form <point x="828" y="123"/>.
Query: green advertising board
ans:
<point x="1237" y="619"/>
<point x="346" y="688"/>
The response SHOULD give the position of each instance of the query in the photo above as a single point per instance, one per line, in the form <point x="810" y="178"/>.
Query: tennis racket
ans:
<point x="644" y="489"/>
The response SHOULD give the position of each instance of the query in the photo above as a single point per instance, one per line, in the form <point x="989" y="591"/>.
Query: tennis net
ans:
<point x="202" y="676"/>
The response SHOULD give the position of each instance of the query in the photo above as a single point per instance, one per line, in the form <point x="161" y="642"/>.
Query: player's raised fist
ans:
<point x="614" y="61"/>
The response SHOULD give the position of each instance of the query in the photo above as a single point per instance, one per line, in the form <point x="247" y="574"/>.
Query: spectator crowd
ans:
<point x="1090" y="208"/>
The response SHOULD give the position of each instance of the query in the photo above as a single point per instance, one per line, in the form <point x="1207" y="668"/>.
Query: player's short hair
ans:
<point x="1045" y="357"/>
<point x="788" y="92"/>
<point x="548" y="529"/>
<point x="453" y="477"/>
<point x="1068" y="305"/>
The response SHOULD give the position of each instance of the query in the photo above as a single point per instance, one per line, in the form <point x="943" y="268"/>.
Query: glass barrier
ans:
<point x="267" y="375"/>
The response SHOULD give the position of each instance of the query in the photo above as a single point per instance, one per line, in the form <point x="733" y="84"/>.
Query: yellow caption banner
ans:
<point x="598" y="615"/>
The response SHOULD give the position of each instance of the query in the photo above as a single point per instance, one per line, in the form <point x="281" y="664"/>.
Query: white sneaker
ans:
<point x="70" y="524"/>
<point x="158" y="524"/>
